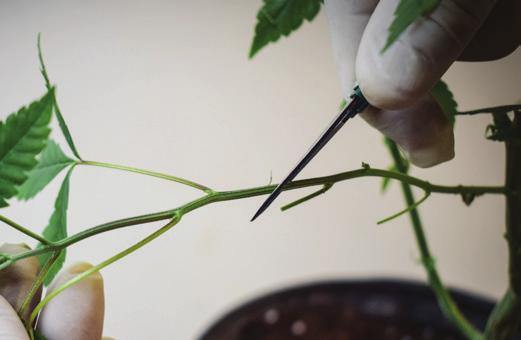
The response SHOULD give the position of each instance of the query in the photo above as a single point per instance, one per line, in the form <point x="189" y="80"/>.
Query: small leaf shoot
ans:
<point x="57" y="228"/>
<point x="61" y="121"/>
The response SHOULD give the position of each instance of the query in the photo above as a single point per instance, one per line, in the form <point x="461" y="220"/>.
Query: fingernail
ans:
<point x="80" y="267"/>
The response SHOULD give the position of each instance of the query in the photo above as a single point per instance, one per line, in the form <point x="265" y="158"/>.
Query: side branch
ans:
<point x="494" y="109"/>
<point x="213" y="197"/>
<point x="24" y="230"/>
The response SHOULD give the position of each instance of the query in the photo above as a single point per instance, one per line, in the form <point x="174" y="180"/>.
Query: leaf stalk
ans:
<point x="148" y="173"/>
<point x="24" y="230"/>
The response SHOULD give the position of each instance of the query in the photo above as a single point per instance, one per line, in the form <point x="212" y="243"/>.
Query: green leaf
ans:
<point x="445" y="99"/>
<point x="52" y="161"/>
<point x="57" y="228"/>
<point x="386" y="180"/>
<point x="22" y="138"/>
<point x="405" y="14"/>
<point x="278" y="18"/>
<point x="57" y="111"/>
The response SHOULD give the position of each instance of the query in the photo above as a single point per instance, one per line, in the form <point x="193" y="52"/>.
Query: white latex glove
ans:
<point x="77" y="313"/>
<point x="397" y="82"/>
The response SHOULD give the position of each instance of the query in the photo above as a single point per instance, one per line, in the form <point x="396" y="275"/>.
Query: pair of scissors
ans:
<point x="357" y="104"/>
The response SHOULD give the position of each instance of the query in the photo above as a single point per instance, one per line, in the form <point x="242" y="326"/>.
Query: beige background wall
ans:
<point x="168" y="86"/>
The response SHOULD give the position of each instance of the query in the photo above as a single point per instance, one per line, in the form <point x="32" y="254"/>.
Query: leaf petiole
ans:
<point x="24" y="230"/>
<point x="148" y="173"/>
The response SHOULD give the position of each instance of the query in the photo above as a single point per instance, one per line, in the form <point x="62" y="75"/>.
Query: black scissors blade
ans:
<point x="358" y="103"/>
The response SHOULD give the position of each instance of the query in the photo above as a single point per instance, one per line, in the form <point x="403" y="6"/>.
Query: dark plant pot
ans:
<point x="350" y="310"/>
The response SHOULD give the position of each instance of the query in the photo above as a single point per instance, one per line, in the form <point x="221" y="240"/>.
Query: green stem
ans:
<point x="102" y="265"/>
<point x="406" y="210"/>
<point x="494" y="109"/>
<point x="148" y="173"/>
<point x="24" y="230"/>
<point x="506" y="316"/>
<point x="105" y="227"/>
<point x="222" y="196"/>
<point x="22" y="311"/>
<point x="445" y="301"/>
<point x="504" y="321"/>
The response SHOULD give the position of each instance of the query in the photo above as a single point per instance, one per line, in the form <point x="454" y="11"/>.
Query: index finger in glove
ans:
<point x="16" y="280"/>
<point x="409" y="68"/>
<point x="78" y="311"/>
<point x="347" y="21"/>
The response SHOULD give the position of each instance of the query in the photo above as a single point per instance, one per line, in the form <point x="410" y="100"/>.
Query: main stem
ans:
<point x="445" y="301"/>
<point x="506" y="317"/>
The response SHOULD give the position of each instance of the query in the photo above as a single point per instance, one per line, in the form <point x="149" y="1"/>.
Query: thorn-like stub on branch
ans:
<point x="468" y="197"/>
<point x="365" y="165"/>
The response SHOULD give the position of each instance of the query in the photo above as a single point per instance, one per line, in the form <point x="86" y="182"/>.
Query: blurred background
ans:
<point x="167" y="85"/>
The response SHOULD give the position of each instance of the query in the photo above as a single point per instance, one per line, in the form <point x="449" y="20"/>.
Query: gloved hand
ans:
<point x="77" y="313"/>
<point x="397" y="82"/>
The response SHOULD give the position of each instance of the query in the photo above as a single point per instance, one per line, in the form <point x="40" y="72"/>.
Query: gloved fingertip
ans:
<point x="62" y="319"/>
<point x="74" y="270"/>
<point x="17" y="279"/>
<point x="11" y="326"/>
<point x="394" y="79"/>
<point x="433" y="154"/>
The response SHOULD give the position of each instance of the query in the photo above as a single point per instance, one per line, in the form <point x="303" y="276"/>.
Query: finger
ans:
<point x="499" y="36"/>
<point x="11" y="327"/>
<point x="77" y="313"/>
<point x="16" y="280"/>
<point x="411" y="66"/>
<point x="423" y="131"/>
<point x="347" y="21"/>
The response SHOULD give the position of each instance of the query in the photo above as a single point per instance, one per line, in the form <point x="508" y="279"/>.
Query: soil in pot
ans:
<point x="352" y="310"/>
